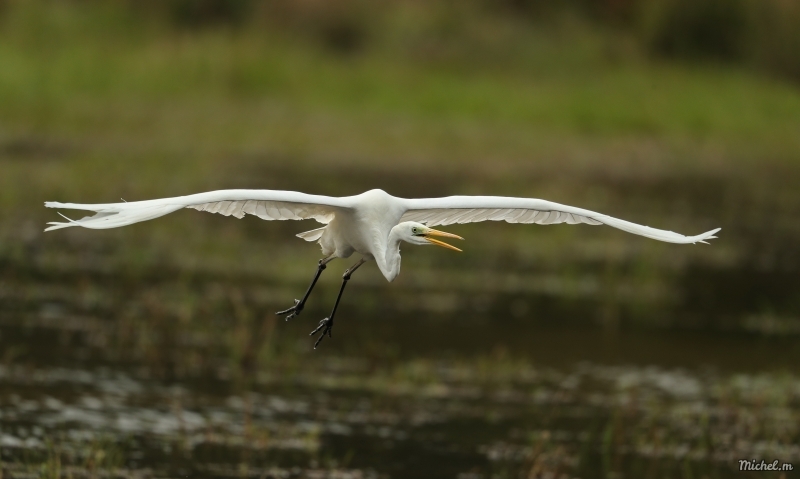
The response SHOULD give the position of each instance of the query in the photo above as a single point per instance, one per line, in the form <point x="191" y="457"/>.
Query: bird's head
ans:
<point x="419" y="234"/>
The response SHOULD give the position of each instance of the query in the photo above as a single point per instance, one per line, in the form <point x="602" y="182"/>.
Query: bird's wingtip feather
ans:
<point x="66" y="218"/>
<point x="57" y="226"/>
<point x="708" y="235"/>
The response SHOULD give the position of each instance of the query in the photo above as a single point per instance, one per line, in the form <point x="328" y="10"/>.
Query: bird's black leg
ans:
<point x="327" y="324"/>
<point x="299" y="304"/>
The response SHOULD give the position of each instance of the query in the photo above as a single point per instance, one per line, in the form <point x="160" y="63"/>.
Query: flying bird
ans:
<point x="373" y="224"/>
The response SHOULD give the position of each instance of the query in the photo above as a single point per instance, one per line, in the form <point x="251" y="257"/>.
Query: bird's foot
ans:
<point x="325" y="326"/>
<point x="294" y="310"/>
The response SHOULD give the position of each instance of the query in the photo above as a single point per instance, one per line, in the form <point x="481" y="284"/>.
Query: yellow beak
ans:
<point x="432" y="232"/>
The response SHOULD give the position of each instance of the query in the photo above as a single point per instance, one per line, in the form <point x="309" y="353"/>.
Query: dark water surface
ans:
<point x="469" y="396"/>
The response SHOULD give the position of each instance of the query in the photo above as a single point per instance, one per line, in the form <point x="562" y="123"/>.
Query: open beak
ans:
<point x="432" y="232"/>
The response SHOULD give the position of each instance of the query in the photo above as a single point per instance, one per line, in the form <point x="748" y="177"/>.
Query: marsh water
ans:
<point x="130" y="357"/>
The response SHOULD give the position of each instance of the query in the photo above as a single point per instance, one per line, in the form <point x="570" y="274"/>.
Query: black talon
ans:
<point x="327" y="323"/>
<point x="295" y="310"/>
<point x="299" y="304"/>
<point x="320" y="326"/>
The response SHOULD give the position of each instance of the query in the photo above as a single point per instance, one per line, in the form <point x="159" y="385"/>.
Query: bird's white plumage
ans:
<point x="367" y="223"/>
<point x="312" y="235"/>
<point x="471" y="209"/>
<point x="266" y="204"/>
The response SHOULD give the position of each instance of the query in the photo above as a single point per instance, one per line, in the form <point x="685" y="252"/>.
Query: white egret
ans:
<point x="372" y="224"/>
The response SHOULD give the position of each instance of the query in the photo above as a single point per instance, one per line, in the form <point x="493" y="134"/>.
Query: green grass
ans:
<point x="69" y="73"/>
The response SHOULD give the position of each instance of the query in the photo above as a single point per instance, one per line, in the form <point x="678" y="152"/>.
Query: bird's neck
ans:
<point x="389" y="262"/>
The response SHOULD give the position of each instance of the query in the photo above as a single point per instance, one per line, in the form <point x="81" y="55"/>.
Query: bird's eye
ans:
<point x="413" y="230"/>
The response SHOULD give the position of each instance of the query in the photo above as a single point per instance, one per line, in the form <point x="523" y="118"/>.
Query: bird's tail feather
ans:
<point x="112" y="215"/>
<point x="312" y="235"/>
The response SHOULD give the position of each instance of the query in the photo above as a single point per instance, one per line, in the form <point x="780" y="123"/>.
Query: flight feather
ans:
<point x="470" y="209"/>
<point x="265" y="204"/>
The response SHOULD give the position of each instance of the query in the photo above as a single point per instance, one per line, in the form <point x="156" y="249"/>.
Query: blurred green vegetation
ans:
<point x="431" y="60"/>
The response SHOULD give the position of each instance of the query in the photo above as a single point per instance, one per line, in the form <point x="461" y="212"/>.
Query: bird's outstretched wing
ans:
<point x="470" y="209"/>
<point x="266" y="204"/>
